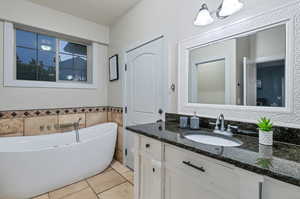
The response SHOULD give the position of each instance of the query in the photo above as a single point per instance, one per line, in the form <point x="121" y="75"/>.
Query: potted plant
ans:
<point x="265" y="131"/>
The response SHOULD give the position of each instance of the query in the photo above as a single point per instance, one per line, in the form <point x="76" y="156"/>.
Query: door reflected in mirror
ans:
<point x="248" y="70"/>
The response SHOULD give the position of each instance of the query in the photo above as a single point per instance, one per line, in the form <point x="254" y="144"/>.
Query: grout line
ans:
<point x="23" y="127"/>
<point x="123" y="166"/>
<point x="67" y="186"/>
<point x="123" y="175"/>
<point x="113" y="187"/>
<point x="89" y="186"/>
<point x="92" y="188"/>
<point x="73" y="193"/>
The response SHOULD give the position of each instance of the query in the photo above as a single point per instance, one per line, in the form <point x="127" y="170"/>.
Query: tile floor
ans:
<point x="116" y="182"/>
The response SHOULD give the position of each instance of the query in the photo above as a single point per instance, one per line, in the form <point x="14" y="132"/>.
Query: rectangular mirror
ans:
<point x="248" y="70"/>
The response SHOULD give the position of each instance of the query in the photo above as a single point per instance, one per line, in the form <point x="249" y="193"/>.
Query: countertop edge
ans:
<point x="236" y="163"/>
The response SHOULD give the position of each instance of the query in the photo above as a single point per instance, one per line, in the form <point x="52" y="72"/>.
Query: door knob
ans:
<point x="160" y="111"/>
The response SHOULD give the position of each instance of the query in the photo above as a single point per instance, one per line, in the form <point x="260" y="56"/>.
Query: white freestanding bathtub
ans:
<point x="33" y="165"/>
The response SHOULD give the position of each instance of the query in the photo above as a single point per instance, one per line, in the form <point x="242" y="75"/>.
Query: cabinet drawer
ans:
<point x="151" y="147"/>
<point x="220" y="177"/>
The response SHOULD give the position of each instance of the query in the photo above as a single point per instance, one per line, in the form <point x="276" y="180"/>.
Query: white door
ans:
<point x="144" y="90"/>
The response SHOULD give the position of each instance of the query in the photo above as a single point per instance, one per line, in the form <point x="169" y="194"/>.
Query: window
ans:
<point x="72" y="61"/>
<point x="41" y="57"/>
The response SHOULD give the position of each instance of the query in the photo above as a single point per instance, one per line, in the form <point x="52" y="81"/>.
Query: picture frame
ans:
<point x="114" y="68"/>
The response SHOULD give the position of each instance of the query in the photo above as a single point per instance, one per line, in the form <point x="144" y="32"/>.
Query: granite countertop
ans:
<point x="282" y="161"/>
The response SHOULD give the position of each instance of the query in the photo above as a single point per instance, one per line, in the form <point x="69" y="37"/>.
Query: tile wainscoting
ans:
<point x="47" y="121"/>
<point x="116" y="115"/>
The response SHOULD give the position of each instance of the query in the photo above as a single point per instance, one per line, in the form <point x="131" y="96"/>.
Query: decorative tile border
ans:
<point x="115" y="109"/>
<point x="55" y="111"/>
<point x="282" y="134"/>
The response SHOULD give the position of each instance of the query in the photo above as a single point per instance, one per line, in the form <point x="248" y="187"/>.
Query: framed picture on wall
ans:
<point x="113" y="68"/>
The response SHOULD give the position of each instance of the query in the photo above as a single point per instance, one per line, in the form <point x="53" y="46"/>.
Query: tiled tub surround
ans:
<point x="47" y="121"/>
<point x="116" y="115"/>
<point x="284" y="158"/>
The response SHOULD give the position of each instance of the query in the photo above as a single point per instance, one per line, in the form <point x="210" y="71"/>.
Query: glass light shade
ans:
<point x="229" y="7"/>
<point x="46" y="47"/>
<point x="204" y="17"/>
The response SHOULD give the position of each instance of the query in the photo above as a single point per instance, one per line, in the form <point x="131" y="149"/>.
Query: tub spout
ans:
<point x="76" y="127"/>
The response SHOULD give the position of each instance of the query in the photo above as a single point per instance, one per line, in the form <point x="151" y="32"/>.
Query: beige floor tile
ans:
<point x="123" y="191"/>
<point x="129" y="176"/>
<point x="70" y="189"/>
<point x="119" y="167"/>
<point x="107" y="169"/>
<point x="83" y="194"/>
<point x="45" y="196"/>
<point x="105" y="181"/>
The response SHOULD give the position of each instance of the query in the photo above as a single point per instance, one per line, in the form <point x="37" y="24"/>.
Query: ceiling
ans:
<point x="103" y="12"/>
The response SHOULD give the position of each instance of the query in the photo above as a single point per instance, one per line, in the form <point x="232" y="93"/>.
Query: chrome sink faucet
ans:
<point x="221" y="120"/>
<point x="76" y="128"/>
<point x="220" y="126"/>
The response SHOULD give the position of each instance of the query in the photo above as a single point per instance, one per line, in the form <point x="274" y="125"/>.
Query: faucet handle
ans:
<point x="216" y="125"/>
<point x="230" y="127"/>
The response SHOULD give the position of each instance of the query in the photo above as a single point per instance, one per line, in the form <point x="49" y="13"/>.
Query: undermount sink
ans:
<point x="215" y="140"/>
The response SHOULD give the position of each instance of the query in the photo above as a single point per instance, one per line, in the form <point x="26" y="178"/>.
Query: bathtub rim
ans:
<point x="61" y="146"/>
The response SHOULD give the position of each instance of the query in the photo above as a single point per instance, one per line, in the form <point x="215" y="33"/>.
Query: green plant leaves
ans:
<point x="264" y="163"/>
<point x="265" y="124"/>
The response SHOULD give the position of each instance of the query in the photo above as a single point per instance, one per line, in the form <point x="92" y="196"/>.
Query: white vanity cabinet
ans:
<point x="191" y="176"/>
<point x="148" y="175"/>
<point x="164" y="171"/>
<point x="274" y="189"/>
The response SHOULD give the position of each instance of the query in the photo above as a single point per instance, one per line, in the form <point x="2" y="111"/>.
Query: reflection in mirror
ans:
<point x="248" y="70"/>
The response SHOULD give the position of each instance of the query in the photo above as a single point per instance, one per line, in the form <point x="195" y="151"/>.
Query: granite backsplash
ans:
<point x="281" y="134"/>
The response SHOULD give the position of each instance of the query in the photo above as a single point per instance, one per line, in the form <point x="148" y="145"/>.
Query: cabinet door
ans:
<point x="198" y="177"/>
<point x="273" y="189"/>
<point x="150" y="178"/>
<point x="181" y="186"/>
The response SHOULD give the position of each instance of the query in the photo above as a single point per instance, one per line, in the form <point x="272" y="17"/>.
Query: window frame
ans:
<point x="10" y="74"/>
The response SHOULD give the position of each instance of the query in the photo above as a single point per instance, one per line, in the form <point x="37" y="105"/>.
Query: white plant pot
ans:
<point x="266" y="138"/>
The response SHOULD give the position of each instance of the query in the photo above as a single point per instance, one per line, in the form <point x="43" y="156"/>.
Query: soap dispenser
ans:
<point x="195" y="122"/>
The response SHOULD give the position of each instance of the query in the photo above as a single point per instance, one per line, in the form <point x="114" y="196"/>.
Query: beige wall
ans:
<point x="174" y="19"/>
<point x="14" y="98"/>
<point x="27" y="13"/>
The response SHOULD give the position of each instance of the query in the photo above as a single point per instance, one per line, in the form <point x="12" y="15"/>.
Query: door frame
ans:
<point x="165" y="80"/>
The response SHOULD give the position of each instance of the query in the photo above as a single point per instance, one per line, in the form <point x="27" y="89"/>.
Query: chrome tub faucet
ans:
<point x="76" y="128"/>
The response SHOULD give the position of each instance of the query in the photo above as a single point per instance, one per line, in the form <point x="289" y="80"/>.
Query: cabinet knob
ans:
<point x="153" y="169"/>
<point x="147" y="145"/>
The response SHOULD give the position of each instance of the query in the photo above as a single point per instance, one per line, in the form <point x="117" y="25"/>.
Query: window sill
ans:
<point x="39" y="84"/>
